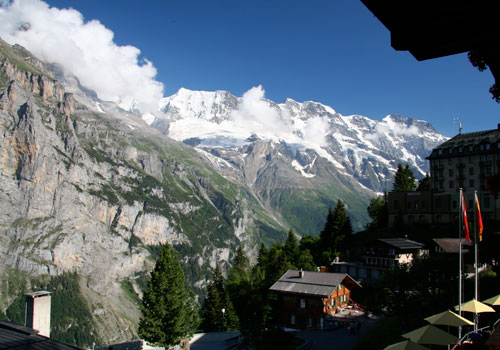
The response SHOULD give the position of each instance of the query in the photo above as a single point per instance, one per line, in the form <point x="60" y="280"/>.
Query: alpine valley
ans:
<point x="88" y="190"/>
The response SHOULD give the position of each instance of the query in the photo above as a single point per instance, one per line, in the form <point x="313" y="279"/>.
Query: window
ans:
<point x="450" y="172"/>
<point x="410" y="219"/>
<point x="309" y="321"/>
<point x="440" y="151"/>
<point x="471" y="160"/>
<point x="481" y="147"/>
<point x="396" y="204"/>
<point x="450" y="161"/>
<point x="486" y="201"/>
<point x="439" y="203"/>
<point x="460" y="149"/>
<point x="292" y="319"/>
<point x="488" y="146"/>
<point x="392" y="252"/>
<point x="302" y="303"/>
<point x="471" y="171"/>
<point x="471" y="148"/>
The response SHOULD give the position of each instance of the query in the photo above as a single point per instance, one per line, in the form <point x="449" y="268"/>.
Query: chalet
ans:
<point x="307" y="298"/>
<point x="375" y="257"/>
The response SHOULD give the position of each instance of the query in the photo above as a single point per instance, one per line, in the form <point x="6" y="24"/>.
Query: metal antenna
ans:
<point x="457" y="120"/>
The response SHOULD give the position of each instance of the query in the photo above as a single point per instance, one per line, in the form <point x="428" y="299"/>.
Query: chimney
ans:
<point x="38" y="312"/>
<point x="301" y="273"/>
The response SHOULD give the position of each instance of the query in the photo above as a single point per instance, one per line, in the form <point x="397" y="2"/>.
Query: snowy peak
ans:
<point x="213" y="106"/>
<point x="357" y="146"/>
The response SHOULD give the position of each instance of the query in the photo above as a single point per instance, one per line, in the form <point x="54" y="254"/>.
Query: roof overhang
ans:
<point x="431" y="29"/>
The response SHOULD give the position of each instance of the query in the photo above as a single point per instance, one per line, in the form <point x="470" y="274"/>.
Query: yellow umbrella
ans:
<point x="430" y="335"/>
<point x="476" y="307"/>
<point x="495" y="301"/>
<point x="449" y="318"/>
<point x="405" y="345"/>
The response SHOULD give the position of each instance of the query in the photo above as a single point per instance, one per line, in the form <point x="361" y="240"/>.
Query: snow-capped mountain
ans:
<point x="294" y="146"/>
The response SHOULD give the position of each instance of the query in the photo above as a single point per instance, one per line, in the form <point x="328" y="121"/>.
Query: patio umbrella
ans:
<point x="449" y="318"/>
<point x="476" y="307"/>
<point x="405" y="345"/>
<point x="495" y="301"/>
<point x="430" y="335"/>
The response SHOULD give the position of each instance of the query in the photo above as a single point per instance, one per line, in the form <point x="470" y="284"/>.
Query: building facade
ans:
<point x="378" y="256"/>
<point x="307" y="298"/>
<point x="465" y="161"/>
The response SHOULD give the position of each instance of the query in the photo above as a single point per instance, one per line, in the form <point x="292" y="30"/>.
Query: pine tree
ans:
<point x="404" y="180"/>
<point x="292" y="247"/>
<point x="327" y="235"/>
<point x="214" y="319"/>
<point x="377" y="211"/>
<point x="425" y="183"/>
<point x="168" y="309"/>
<point x="305" y="261"/>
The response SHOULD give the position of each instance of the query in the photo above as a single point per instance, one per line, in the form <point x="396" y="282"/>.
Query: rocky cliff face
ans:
<point x="87" y="187"/>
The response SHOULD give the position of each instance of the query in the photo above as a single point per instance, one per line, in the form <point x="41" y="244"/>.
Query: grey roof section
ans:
<point x="450" y="245"/>
<point x="320" y="284"/>
<point x="472" y="138"/>
<point x="13" y="336"/>
<point x="402" y="243"/>
<point x="466" y="140"/>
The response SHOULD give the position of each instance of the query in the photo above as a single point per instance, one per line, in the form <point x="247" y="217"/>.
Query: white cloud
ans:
<point x="85" y="49"/>
<point x="257" y="115"/>
<point x="396" y="129"/>
<point x="316" y="130"/>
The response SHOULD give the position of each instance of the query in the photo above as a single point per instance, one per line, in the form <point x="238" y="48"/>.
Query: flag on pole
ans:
<point x="479" y="218"/>
<point x="464" y="219"/>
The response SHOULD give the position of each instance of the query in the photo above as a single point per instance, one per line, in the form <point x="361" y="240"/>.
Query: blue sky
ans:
<point x="333" y="52"/>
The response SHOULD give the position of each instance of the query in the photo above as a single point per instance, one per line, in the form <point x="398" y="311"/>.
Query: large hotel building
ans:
<point x="464" y="161"/>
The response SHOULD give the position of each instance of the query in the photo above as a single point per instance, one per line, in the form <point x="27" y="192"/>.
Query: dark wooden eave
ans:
<point x="431" y="29"/>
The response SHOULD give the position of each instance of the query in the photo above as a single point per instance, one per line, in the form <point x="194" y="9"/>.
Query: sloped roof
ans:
<point x="472" y="138"/>
<point x="320" y="284"/>
<point x="450" y="245"/>
<point x="13" y="336"/>
<point x="402" y="243"/>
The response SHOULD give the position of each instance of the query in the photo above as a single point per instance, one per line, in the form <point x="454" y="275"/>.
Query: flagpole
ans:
<point x="460" y="261"/>
<point x="476" y="280"/>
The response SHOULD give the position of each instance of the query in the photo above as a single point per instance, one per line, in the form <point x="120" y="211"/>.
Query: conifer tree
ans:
<point x="305" y="261"/>
<point x="214" y="319"/>
<point x="327" y="235"/>
<point x="404" y="180"/>
<point x="168" y="309"/>
<point x="425" y="183"/>
<point x="377" y="211"/>
<point x="292" y="247"/>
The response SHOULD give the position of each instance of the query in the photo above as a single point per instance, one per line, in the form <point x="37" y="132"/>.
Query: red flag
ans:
<point x="479" y="218"/>
<point x="464" y="218"/>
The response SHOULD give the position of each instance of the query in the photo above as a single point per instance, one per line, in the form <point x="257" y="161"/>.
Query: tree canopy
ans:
<point x="377" y="211"/>
<point x="404" y="180"/>
<point x="217" y="300"/>
<point x="168" y="309"/>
